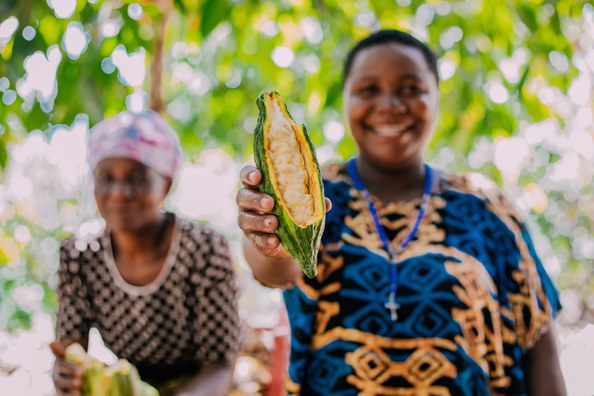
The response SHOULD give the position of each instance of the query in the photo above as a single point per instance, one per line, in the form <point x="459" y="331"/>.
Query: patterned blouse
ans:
<point x="186" y="318"/>
<point x="473" y="297"/>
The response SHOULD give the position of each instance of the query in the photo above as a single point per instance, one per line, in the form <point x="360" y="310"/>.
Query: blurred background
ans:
<point x="517" y="105"/>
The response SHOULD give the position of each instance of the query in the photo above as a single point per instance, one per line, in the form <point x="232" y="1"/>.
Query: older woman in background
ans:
<point x="160" y="290"/>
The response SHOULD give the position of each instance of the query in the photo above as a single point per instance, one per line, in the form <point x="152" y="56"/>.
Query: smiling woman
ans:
<point x="391" y="99"/>
<point x="159" y="289"/>
<point x="428" y="282"/>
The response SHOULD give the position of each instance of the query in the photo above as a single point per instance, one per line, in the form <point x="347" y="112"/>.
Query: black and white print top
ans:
<point x="186" y="318"/>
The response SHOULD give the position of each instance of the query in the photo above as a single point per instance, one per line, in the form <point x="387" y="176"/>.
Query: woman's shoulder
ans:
<point x="204" y="249"/>
<point x="334" y="172"/>
<point x="336" y="179"/>
<point x="477" y="186"/>
<point x="200" y="232"/>
<point x="88" y="236"/>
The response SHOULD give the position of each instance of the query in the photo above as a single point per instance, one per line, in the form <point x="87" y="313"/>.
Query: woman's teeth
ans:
<point x="390" y="130"/>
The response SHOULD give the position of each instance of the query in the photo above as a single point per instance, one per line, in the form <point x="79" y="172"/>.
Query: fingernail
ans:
<point x="268" y="222"/>
<point x="263" y="203"/>
<point x="270" y="241"/>
<point x="252" y="176"/>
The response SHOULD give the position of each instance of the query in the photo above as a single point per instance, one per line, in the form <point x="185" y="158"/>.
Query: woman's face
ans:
<point x="391" y="103"/>
<point x="128" y="193"/>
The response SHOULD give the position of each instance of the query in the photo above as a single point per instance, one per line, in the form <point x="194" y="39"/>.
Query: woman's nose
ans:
<point x="392" y="102"/>
<point x="122" y="187"/>
<point x="115" y="187"/>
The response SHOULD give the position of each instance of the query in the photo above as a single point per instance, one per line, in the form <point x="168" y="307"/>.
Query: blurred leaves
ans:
<point x="212" y="12"/>
<point x="222" y="52"/>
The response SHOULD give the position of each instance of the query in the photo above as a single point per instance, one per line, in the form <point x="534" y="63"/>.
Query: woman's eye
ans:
<point x="103" y="179"/>
<point x="367" y="90"/>
<point x="411" y="90"/>
<point x="139" y="179"/>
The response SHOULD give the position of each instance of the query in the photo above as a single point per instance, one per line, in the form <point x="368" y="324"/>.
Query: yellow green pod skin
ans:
<point x="147" y="390"/>
<point x="94" y="381"/>
<point x="125" y="380"/>
<point x="300" y="227"/>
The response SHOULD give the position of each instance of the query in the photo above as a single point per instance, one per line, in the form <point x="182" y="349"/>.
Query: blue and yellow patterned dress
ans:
<point x="473" y="297"/>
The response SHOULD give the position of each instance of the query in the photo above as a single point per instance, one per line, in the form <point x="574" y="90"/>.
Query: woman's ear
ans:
<point x="167" y="186"/>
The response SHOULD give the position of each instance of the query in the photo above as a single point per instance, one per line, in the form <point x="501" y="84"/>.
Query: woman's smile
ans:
<point x="390" y="130"/>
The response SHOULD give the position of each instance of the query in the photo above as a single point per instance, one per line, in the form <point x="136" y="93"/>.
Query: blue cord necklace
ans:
<point x="391" y="305"/>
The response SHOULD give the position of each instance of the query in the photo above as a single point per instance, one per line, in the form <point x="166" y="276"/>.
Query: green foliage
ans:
<point x="228" y="55"/>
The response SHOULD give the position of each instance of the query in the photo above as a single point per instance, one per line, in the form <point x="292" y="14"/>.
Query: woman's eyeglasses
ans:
<point x="133" y="185"/>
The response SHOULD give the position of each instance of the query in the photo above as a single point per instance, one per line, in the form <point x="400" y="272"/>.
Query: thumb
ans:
<point x="58" y="348"/>
<point x="328" y="204"/>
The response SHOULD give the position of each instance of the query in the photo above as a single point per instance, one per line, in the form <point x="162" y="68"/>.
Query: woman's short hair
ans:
<point x="390" y="36"/>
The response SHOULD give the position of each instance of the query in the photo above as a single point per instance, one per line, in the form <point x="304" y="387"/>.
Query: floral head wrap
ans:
<point x="145" y="137"/>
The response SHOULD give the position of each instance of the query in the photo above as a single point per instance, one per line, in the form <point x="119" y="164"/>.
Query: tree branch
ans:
<point x="156" y="102"/>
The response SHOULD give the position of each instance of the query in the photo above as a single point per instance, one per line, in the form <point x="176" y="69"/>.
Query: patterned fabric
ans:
<point x="187" y="317"/>
<point x="473" y="297"/>
<point x="144" y="137"/>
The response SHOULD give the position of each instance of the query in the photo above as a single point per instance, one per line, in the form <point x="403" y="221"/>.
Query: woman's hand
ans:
<point x="271" y="264"/>
<point x="68" y="378"/>
<point x="254" y="218"/>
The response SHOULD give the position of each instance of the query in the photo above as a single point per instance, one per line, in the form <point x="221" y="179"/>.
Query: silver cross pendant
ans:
<point x="392" y="306"/>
